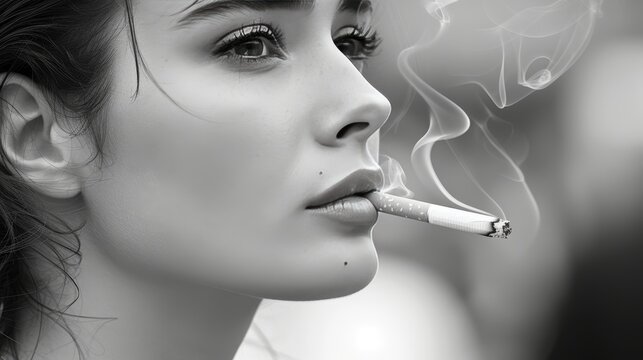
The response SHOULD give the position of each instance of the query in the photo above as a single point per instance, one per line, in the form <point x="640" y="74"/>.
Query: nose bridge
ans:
<point x="354" y="109"/>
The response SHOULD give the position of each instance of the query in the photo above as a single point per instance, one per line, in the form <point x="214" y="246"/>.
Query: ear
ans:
<point x="30" y="134"/>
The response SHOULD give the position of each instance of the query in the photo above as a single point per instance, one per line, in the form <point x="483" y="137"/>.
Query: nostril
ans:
<point x="351" y="129"/>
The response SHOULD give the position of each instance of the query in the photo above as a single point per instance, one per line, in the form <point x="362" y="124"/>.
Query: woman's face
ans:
<point x="253" y="111"/>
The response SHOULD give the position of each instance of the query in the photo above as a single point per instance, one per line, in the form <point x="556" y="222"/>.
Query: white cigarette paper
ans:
<point x="440" y="215"/>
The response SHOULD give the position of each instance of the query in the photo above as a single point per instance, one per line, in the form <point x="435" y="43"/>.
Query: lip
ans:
<point x="342" y="201"/>
<point x="352" y="210"/>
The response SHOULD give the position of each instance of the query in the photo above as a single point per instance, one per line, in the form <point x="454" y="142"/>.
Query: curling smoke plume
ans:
<point x="394" y="177"/>
<point x="509" y="49"/>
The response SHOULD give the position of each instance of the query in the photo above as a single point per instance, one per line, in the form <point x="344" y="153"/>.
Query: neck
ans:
<point x="153" y="317"/>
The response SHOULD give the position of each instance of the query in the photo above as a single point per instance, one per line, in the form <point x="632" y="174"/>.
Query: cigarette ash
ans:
<point x="502" y="229"/>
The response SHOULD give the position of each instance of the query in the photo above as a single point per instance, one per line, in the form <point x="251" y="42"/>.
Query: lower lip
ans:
<point x="353" y="210"/>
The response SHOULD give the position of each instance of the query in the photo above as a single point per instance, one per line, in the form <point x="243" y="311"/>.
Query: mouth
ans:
<point x="344" y="201"/>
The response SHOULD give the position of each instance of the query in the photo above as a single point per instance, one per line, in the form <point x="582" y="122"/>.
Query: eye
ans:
<point x="350" y="47"/>
<point x="357" y="43"/>
<point x="252" y="43"/>
<point x="250" y="49"/>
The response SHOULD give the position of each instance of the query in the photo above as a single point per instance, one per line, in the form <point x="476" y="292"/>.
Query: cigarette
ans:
<point x="440" y="215"/>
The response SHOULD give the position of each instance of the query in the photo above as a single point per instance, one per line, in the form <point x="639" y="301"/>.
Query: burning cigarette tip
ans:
<point x="502" y="229"/>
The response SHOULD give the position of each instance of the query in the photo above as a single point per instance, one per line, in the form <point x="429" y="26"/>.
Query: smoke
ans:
<point x="394" y="177"/>
<point x="509" y="49"/>
<point x="534" y="44"/>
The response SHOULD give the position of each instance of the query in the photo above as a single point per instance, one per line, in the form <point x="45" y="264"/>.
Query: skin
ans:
<point x="199" y="209"/>
<point x="232" y="178"/>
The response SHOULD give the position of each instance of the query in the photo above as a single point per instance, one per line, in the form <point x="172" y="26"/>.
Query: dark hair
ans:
<point x="65" y="46"/>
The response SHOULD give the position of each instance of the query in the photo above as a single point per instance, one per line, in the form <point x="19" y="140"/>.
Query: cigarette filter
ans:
<point x="440" y="215"/>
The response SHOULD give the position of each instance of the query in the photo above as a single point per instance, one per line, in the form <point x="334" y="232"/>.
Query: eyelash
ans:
<point x="246" y="34"/>
<point x="368" y="39"/>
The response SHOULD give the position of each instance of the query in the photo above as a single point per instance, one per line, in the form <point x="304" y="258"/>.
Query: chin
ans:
<point x="325" y="276"/>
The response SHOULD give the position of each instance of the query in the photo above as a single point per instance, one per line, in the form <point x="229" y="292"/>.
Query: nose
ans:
<point x="353" y="110"/>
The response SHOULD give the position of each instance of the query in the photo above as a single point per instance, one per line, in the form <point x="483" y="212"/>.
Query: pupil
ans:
<point x="251" y="48"/>
<point x="348" y="48"/>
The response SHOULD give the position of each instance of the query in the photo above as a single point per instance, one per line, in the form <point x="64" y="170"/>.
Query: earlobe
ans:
<point x="34" y="142"/>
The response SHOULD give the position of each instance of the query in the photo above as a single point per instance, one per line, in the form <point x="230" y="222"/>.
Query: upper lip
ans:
<point x="359" y="182"/>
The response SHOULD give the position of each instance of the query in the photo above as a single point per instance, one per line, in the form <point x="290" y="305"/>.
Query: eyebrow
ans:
<point x="222" y="7"/>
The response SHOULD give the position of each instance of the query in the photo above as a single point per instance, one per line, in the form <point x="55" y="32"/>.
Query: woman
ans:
<point x="190" y="150"/>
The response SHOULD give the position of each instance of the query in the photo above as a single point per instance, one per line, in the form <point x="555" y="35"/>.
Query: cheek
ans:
<point x="221" y="151"/>
<point x="176" y="187"/>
